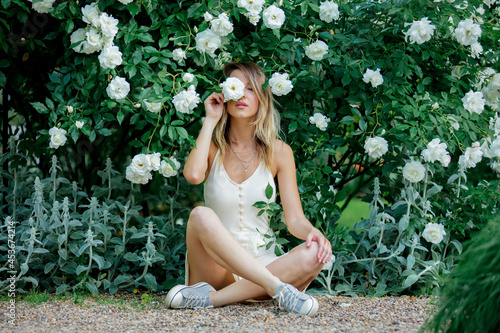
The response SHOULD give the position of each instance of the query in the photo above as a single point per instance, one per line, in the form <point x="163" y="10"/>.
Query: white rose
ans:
<point x="179" y="55"/>
<point x="79" y="124"/>
<point x="476" y="50"/>
<point x="495" y="81"/>
<point x="186" y="100"/>
<point x="321" y="121"/>
<point x="125" y="2"/>
<point x="188" y="77"/>
<point x="57" y="137"/>
<point x="420" y="31"/>
<point x="91" y="14"/>
<point x="470" y="158"/>
<point x="232" y="89"/>
<point x="495" y="147"/>
<point x="434" y="233"/>
<point x="140" y="164"/>
<point x="80" y="35"/>
<point x="474" y="102"/>
<point x="467" y="32"/>
<point x="491" y="97"/>
<point x="110" y="57"/>
<point x="329" y="11"/>
<point x="413" y="171"/>
<point x="153" y="107"/>
<point x="154" y="161"/>
<point x="94" y="38"/>
<point x="373" y="77"/>
<point x="280" y="85"/>
<point x="495" y="124"/>
<point x="118" y="88"/>
<point x="273" y="17"/>
<point x="137" y="178"/>
<point x="436" y="151"/>
<point x="69" y="108"/>
<point x="166" y="168"/>
<point x="317" y="50"/>
<point x="208" y="17"/>
<point x="255" y="244"/>
<point x="253" y="17"/>
<point x="221" y="25"/>
<point x="207" y="42"/>
<point x="376" y="147"/>
<point x="43" y="6"/>
<point x="252" y="5"/>
<point x="109" y="25"/>
<point x="495" y="165"/>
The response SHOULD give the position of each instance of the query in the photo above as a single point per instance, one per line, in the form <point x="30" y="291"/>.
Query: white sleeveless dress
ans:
<point x="233" y="204"/>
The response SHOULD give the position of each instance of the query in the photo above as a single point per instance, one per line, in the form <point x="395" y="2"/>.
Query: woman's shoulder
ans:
<point x="283" y="155"/>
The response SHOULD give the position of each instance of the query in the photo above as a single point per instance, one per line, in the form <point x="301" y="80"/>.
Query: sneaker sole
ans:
<point x="170" y="299"/>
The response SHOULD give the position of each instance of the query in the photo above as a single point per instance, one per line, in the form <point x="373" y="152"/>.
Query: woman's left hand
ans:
<point x="324" y="246"/>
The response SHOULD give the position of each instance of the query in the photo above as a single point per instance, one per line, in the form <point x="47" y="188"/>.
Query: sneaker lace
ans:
<point x="195" y="301"/>
<point x="288" y="299"/>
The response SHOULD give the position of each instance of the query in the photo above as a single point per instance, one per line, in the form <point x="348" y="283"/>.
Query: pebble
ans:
<point x="128" y="314"/>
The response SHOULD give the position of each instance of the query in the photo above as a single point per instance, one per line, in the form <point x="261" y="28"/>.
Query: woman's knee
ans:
<point x="200" y="217"/>
<point x="309" y="257"/>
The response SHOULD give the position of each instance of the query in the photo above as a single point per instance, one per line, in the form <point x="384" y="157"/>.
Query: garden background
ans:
<point x="394" y="99"/>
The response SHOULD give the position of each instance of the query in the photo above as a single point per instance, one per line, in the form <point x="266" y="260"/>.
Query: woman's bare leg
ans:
<point x="213" y="254"/>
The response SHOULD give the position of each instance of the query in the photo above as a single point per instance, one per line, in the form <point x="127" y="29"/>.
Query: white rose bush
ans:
<point x="397" y="100"/>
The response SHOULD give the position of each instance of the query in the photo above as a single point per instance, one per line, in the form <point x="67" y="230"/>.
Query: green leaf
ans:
<point x="133" y="8"/>
<point x="410" y="280"/>
<point x="269" y="191"/>
<point x="120" y="116"/>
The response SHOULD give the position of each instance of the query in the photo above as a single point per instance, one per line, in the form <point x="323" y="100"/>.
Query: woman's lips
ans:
<point x="241" y="105"/>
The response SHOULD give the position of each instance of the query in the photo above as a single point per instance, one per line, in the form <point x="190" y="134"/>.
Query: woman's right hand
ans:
<point x="214" y="106"/>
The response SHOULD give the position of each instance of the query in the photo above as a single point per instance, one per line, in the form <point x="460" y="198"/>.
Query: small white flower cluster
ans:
<point x="420" y="31"/>
<point x="57" y="137"/>
<point x="488" y="81"/>
<point x="98" y="36"/>
<point x="43" y="6"/>
<point x="179" y="55"/>
<point x="187" y="100"/>
<point x="321" y="121"/>
<point x="373" y="77"/>
<point x="376" y="147"/>
<point x="436" y="151"/>
<point x="139" y="170"/>
<point x="433" y="233"/>
<point x="253" y="7"/>
<point x="232" y="89"/>
<point x="280" y="84"/>
<point x="329" y="11"/>
<point x="413" y="171"/>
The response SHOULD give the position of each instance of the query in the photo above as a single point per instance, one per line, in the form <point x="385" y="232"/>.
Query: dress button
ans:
<point x="241" y="204"/>
<point x="241" y="194"/>
<point x="241" y="211"/>
<point x="241" y="188"/>
<point x="241" y="218"/>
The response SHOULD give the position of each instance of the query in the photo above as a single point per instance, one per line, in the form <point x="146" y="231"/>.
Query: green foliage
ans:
<point x="470" y="296"/>
<point x="42" y="76"/>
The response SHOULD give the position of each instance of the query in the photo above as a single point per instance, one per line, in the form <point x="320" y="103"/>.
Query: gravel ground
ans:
<point x="129" y="314"/>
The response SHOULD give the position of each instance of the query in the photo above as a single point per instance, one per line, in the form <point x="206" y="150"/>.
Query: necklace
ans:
<point x="245" y="162"/>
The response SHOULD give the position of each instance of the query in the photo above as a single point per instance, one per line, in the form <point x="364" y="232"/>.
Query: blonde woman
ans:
<point x="238" y="154"/>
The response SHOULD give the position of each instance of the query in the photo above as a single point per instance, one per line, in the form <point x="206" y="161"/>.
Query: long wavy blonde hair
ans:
<point x="267" y="120"/>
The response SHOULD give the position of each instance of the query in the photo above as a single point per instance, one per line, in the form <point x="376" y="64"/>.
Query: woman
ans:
<point x="227" y="260"/>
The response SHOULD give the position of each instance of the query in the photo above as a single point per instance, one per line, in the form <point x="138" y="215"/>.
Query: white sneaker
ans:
<point x="189" y="297"/>
<point x="292" y="300"/>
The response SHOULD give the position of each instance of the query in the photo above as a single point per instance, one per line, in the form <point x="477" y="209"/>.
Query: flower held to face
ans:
<point x="373" y="77"/>
<point x="317" y="50"/>
<point x="433" y="233"/>
<point x="414" y="171"/>
<point x="57" y="137"/>
<point x="280" y="85"/>
<point x="118" y="88"/>
<point x="376" y="147"/>
<point x="420" y="31"/>
<point x="232" y="89"/>
<point x="273" y="17"/>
